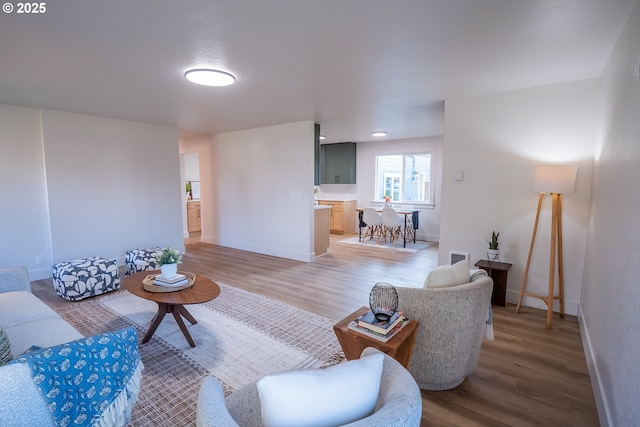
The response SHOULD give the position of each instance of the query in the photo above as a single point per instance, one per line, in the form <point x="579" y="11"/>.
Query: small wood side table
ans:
<point x="498" y="272"/>
<point x="400" y="347"/>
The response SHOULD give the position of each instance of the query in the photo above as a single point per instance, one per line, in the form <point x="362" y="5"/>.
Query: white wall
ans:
<point x="429" y="222"/>
<point x="102" y="187"/>
<point x="610" y="316"/>
<point x="497" y="140"/>
<point x="112" y="185"/>
<point x="264" y="190"/>
<point x="24" y="224"/>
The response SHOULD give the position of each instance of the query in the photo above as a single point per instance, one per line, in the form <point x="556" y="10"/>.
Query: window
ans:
<point x="405" y="178"/>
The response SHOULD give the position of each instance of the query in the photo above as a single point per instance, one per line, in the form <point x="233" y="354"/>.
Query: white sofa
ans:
<point x="48" y="399"/>
<point x="26" y="320"/>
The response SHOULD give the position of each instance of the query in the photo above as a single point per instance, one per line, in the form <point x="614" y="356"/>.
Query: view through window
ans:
<point x="405" y="178"/>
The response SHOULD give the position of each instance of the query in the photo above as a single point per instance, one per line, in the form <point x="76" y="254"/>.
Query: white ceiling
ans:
<point x="354" y="66"/>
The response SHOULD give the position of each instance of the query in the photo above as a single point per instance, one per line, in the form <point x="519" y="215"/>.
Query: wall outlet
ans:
<point x="39" y="259"/>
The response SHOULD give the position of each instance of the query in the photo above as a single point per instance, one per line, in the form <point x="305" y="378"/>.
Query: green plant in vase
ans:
<point x="493" y="253"/>
<point x="168" y="261"/>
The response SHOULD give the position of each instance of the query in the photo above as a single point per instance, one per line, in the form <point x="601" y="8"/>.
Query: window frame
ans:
<point x="432" y="178"/>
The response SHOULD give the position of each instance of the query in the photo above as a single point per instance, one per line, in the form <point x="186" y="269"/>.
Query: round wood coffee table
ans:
<point x="203" y="290"/>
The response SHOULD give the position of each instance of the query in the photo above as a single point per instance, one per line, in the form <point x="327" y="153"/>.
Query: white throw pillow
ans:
<point x="334" y="396"/>
<point x="449" y="275"/>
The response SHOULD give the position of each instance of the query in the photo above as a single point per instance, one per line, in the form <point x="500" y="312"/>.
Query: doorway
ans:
<point x="191" y="184"/>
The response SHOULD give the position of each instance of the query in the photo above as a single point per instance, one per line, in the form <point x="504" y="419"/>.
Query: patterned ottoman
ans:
<point x="141" y="260"/>
<point x="86" y="277"/>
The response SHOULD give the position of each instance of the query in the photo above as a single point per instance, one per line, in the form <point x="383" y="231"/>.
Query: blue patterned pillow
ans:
<point x="89" y="381"/>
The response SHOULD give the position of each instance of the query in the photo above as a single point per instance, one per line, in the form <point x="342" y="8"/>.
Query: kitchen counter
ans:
<point x="335" y="199"/>
<point x="343" y="215"/>
<point x="321" y="223"/>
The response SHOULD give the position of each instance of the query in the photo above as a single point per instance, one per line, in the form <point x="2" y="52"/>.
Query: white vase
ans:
<point x="169" y="270"/>
<point x="493" y="255"/>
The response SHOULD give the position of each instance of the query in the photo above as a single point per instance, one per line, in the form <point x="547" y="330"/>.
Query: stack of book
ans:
<point x="177" y="280"/>
<point x="381" y="331"/>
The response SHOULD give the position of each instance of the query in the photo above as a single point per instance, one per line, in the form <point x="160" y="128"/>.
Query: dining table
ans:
<point x="406" y="212"/>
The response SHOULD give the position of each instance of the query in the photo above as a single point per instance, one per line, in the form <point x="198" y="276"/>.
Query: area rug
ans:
<point x="239" y="338"/>
<point x="396" y="245"/>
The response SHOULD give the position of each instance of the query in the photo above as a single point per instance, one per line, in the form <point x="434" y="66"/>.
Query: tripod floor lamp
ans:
<point x="555" y="181"/>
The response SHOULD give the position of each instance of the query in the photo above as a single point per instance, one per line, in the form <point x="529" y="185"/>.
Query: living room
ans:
<point x="75" y="184"/>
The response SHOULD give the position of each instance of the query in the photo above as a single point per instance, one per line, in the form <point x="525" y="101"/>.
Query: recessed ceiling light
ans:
<point x="209" y="77"/>
<point x="379" y="134"/>
<point x="322" y="137"/>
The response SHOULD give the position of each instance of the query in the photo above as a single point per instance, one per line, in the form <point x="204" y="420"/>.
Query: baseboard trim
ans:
<point x="428" y="237"/>
<point x="604" y="414"/>
<point x="266" y="250"/>
<point x="39" y="274"/>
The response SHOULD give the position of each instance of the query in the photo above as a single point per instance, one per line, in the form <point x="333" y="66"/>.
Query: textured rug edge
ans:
<point x="396" y="246"/>
<point x="162" y="360"/>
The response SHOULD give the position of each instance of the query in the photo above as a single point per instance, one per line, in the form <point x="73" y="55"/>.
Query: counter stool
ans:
<point x="86" y="277"/>
<point x="141" y="260"/>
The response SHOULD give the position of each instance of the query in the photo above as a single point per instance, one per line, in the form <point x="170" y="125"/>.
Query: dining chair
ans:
<point x="391" y="223"/>
<point x="409" y="225"/>
<point x="374" y="223"/>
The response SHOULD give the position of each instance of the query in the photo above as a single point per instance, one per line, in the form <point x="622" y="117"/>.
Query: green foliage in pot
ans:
<point x="169" y="256"/>
<point x="493" y="243"/>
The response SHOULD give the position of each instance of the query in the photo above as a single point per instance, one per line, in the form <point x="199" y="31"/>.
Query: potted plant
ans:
<point x="168" y="261"/>
<point x="494" y="248"/>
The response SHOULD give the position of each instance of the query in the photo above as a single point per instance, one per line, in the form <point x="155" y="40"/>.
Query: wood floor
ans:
<point x="527" y="376"/>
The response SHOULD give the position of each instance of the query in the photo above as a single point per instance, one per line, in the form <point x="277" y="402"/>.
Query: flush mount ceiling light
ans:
<point x="379" y="134"/>
<point x="210" y="77"/>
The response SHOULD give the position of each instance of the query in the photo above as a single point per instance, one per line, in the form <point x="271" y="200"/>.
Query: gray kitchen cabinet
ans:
<point x="338" y="163"/>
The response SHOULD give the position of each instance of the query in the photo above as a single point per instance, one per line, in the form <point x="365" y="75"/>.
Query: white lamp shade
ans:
<point x="555" y="179"/>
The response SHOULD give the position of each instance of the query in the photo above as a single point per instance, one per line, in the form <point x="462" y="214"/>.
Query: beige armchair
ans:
<point x="399" y="402"/>
<point x="452" y="327"/>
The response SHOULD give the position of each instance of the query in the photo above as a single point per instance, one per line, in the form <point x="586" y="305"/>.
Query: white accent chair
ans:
<point x="453" y="321"/>
<point x="399" y="401"/>
<point x="391" y="223"/>
<point x="374" y="223"/>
